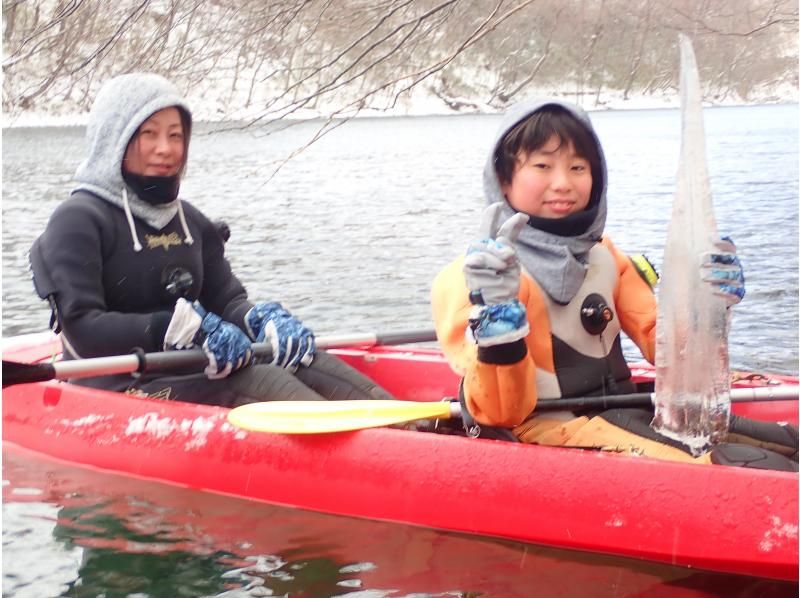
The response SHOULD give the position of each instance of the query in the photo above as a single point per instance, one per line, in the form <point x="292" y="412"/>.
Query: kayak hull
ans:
<point x="709" y="517"/>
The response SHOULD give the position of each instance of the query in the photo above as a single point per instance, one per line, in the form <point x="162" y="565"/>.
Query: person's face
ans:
<point x="157" y="148"/>
<point x="550" y="182"/>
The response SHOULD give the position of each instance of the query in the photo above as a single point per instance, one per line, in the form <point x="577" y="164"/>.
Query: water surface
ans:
<point x="349" y="235"/>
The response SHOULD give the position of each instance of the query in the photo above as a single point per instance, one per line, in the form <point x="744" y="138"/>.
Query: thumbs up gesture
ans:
<point x="491" y="267"/>
<point x="492" y="271"/>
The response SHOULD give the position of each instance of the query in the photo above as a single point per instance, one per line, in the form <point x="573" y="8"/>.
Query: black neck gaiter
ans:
<point x="155" y="190"/>
<point x="569" y="226"/>
<point x="573" y="225"/>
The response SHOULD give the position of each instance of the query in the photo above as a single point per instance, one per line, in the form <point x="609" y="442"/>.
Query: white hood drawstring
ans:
<point x="189" y="239"/>
<point x="137" y="247"/>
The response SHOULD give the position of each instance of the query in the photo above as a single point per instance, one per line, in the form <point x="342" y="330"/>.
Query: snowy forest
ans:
<point x="262" y="60"/>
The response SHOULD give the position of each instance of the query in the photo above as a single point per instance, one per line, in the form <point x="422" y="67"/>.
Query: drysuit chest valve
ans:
<point x="595" y="314"/>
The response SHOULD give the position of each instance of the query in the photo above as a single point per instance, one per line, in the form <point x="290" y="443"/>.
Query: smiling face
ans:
<point x="158" y="147"/>
<point x="550" y="182"/>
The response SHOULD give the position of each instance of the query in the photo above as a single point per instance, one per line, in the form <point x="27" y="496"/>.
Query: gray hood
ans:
<point x="122" y="104"/>
<point x="557" y="263"/>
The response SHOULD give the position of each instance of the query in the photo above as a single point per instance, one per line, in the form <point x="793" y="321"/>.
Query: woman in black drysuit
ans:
<point x="127" y="265"/>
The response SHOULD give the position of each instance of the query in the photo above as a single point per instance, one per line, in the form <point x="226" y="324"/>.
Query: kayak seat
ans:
<point x="752" y="457"/>
<point x="751" y="443"/>
<point x="781" y="438"/>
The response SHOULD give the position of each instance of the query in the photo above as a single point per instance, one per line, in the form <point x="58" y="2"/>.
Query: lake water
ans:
<point x="349" y="235"/>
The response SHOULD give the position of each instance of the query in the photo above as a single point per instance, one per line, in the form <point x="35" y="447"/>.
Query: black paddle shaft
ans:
<point x="645" y="399"/>
<point x="640" y="399"/>
<point x="26" y="373"/>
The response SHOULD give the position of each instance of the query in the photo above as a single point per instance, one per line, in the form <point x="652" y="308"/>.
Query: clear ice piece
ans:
<point x="692" y="398"/>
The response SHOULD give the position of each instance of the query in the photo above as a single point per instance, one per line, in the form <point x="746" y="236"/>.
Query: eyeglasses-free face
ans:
<point x="158" y="147"/>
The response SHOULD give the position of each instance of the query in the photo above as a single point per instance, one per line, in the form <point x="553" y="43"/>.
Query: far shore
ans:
<point x="31" y="119"/>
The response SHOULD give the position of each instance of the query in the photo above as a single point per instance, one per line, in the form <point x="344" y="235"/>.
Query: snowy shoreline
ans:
<point x="426" y="107"/>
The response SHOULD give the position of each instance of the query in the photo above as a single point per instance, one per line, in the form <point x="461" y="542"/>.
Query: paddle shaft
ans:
<point x="20" y="373"/>
<point x="645" y="399"/>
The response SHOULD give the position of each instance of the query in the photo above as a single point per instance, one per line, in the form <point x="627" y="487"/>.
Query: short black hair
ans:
<point x="533" y="132"/>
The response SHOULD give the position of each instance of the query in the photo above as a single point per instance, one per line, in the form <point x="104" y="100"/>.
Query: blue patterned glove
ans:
<point x="292" y="343"/>
<point x="723" y="271"/>
<point x="225" y="345"/>
<point x="498" y="324"/>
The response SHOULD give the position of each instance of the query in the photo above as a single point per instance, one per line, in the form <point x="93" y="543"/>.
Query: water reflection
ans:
<point x="114" y="536"/>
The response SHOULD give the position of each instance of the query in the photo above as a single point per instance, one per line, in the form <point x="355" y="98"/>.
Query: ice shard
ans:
<point x="692" y="398"/>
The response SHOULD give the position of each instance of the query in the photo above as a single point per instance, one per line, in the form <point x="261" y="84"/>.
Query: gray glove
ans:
<point x="491" y="267"/>
<point x="492" y="271"/>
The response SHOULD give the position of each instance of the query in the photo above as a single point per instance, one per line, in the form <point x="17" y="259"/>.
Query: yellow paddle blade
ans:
<point x="316" y="417"/>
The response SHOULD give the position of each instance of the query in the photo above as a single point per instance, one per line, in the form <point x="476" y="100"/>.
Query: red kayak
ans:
<point x="716" y="518"/>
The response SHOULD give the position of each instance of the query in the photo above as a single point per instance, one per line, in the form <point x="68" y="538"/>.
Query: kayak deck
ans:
<point x="709" y="517"/>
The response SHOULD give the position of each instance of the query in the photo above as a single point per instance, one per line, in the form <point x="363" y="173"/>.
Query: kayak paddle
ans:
<point x="317" y="417"/>
<point x="23" y="373"/>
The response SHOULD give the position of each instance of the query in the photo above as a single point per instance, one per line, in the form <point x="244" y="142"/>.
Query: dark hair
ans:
<point x="186" y="122"/>
<point x="533" y="132"/>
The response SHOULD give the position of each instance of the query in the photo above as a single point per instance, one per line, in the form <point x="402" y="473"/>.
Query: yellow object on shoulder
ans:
<point x="645" y="269"/>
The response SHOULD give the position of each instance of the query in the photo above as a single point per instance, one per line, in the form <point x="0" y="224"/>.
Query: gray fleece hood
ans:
<point x="121" y="106"/>
<point x="557" y="263"/>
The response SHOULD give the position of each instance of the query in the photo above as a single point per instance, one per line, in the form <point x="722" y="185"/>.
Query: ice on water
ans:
<point x="692" y="403"/>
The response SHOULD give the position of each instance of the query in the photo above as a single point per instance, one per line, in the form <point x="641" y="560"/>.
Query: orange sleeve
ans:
<point x="496" y="395"/>
<point x="636" y="304"/>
